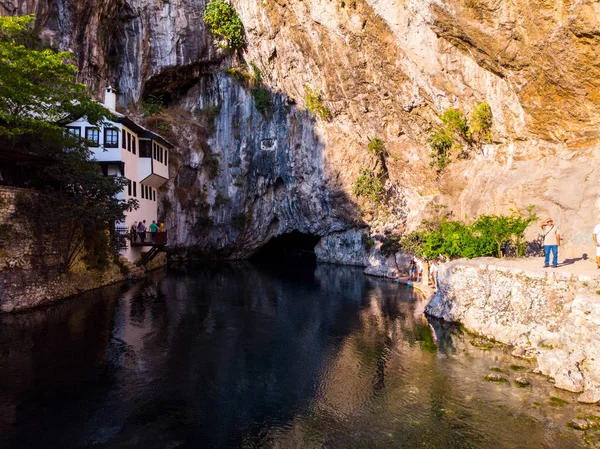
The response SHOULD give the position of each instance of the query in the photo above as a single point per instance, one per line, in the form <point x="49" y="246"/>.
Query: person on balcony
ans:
<point x="153" y="230"/>
<point x="133" y="232"/>
<point x="161" y="226"/>
<point x="141" y="230"/>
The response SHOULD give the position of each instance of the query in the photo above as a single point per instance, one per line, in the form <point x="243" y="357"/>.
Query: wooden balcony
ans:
<point x="149" y="239"/>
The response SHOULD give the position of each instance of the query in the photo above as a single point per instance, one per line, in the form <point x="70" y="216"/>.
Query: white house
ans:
<point x="124" y="148"/>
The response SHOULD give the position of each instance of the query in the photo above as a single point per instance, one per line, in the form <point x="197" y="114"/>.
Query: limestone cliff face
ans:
<point x="384" y="68"/>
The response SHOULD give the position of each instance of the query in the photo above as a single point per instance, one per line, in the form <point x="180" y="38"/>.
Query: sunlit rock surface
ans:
<point x="552" y="316"/>
<point x="385" y="69"/>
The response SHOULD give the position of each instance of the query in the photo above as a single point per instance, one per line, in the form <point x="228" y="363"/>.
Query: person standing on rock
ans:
<point x="551" y="242"/>
<point x="596" y="237"/>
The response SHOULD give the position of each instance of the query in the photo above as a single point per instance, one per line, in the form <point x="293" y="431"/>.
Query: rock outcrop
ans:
<point x="384" y="69"/>
<point x="553" y="317"/>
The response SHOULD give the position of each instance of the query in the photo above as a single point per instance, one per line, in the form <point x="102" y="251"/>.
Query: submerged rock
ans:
<point x="579" y="424"/>
<point x="522" y="381"/>
<point x="589" y="397"/>
<point x="494" y="377"/>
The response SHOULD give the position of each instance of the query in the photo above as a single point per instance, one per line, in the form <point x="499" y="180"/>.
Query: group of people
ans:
<point x="551" y="237"/>
<point x="415" y="271"/>
<point x="138" y="230"/>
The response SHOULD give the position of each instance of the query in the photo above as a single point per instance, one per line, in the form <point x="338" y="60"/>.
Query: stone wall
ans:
<point x="551" y="316"/>
<point x="29" y="276"/>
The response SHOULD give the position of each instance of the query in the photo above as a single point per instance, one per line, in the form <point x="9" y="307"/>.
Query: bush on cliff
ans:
<point x="480" y="122"/>
<point x="456" y="132"/>
<point x="224" y="22"/>
<point x="369" y="186"/>
<point x="314" y="103"/>
<point x="483" y="237"/>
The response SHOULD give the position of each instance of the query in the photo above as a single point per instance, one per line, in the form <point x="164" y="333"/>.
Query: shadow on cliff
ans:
<point x="248" y="166"/>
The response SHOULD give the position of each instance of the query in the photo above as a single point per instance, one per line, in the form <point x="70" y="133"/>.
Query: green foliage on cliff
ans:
<point x="441" y="143"/>
<point x="262" y="95"/>
<point x="314" y="103"/>
<point x="211" y="164"/>
<point x="377" y="147"/>
<point x="480" y="122"/>
<point x="455" y="122"/>
<point x="263" y="101"/>
<point x="369" y="185"/>
<point x="456" y="239"/>
<point x="456" y="131"/>
<point x="152" y="105"/>
<point x="224" y="22"/>
<point x="241" y="221"/>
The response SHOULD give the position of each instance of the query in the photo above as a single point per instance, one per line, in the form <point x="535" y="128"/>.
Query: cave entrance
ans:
<point x="293" y="245"/>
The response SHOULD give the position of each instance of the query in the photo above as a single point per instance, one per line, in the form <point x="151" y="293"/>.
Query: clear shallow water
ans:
<point x="239" y="355"/>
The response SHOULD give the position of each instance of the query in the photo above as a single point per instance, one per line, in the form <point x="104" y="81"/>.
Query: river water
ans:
<point x="230" y="355"/>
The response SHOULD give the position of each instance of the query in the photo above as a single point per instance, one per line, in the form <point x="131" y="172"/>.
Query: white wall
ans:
<point x="148" y="208"/>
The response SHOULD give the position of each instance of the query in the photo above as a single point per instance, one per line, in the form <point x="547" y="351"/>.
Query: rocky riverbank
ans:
<point x="549" y="316"/>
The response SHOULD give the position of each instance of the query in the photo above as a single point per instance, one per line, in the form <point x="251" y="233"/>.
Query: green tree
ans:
<point x="224" y="23"/>
<point x="455" y="239"/>
<point x="38" y="96"/>
<point x="38" y="92"/>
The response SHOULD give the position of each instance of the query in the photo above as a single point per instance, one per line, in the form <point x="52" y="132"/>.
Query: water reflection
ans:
<point x="240" y="355"/>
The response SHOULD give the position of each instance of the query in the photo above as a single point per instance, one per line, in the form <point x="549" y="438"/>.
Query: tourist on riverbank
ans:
<point x="433" y="273"/>
<point x="419" y="270"/>
<point x="133" y="232"/>
<point x="412" y="269"/>
<point x="596" y="237"/>
<point x="551" y="242"/>
<point x="141" y="230"/>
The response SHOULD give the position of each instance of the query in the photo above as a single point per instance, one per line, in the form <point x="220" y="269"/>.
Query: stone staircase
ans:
<point x="135" y="272"/>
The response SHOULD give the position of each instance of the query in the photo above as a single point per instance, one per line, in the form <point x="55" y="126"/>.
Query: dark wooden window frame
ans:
<point x="114" y="143"/>
<point x="88" y="130"/>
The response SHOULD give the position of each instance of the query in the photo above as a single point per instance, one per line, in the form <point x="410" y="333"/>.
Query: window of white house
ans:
<point x="123" y="134"/>
<point x="134" y="189"/>
<point x="74" y="131"/>
<point x="111" y="138"/>
<point x="166" y="157"/>
<point x="154" y="195"/>
<point x="129" y="187"/>
<point x="93" y="135"/>
<point x="133" y="144"/>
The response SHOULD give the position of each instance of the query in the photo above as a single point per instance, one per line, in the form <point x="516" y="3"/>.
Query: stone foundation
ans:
<point x="29" y="274"/>
<point x="550" y="316"/>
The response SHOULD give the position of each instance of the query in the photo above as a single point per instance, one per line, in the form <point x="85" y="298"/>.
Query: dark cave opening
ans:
<point x="293" y="245"/>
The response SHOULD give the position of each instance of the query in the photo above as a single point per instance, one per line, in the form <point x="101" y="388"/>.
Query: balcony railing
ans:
<point x="148" y="238"/>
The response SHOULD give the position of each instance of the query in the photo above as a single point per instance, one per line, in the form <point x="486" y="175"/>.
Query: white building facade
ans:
<point x="124" y="148"/>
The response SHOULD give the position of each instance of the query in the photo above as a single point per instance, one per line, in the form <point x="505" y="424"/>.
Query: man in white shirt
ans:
<point x="597" y="242"/>
<point x="551" y="242"/>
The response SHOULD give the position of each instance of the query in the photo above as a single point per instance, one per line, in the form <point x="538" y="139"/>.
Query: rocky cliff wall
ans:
<point x="552" y="317"/>
<point x="384" y="68"/>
